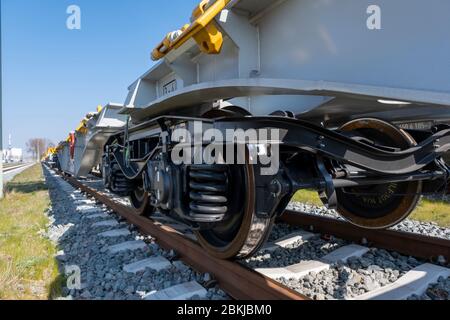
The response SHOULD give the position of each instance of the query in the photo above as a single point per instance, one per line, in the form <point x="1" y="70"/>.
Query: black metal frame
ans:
<point x="319" y="145"/>
<point x="334" y="145"/>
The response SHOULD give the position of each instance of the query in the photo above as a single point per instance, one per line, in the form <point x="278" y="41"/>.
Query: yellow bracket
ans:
<point x="203" y="30"/>
<point x="82" y="127"/>
<point x="51" y="151"/>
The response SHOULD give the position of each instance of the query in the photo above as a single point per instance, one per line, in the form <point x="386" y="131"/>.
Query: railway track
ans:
<point x="12" y="168"/>
<point x="271" y="281"/>
<point x="416" y="245"/>
<point x="417" y="262"/>
<point x="236" y="280"/>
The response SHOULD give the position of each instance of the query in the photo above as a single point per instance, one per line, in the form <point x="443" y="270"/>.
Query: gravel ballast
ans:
<point x="103" y="277"/>
<point x="361" y="275"/>
<point x="102" y="274"/>
<point x="376" y="269"/>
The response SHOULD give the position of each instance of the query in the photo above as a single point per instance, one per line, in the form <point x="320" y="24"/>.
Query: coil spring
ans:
<point x="119" y="183"/>
<point x="209" y="186"/>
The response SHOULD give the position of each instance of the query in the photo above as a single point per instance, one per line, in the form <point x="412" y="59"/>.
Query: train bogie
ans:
<point x="230" y="191"/>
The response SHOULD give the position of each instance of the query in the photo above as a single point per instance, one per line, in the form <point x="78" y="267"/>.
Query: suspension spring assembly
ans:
<point x="208" y="193"/>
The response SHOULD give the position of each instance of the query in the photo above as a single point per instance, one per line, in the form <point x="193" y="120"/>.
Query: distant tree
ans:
<point x="38" y="147"/>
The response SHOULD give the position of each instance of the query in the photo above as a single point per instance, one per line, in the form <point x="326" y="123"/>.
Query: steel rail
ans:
<point x="410" y="244"/>
<point x="9" y="169"/>
<point x="238" y="281"/>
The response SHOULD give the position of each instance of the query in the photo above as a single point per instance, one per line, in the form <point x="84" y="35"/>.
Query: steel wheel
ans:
<point x="106" y="174"/>
<point x="244" y="233"/>
<point x="379" y="206"/>
<point x="139" y="200"/>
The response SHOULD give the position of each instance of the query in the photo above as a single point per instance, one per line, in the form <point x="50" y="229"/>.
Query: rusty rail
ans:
<point x="238" y="281"/>
<point x="410" y="244"/>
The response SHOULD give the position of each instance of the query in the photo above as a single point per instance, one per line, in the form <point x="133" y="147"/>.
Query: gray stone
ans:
<point x="207" y="277"/>
<point x="102" y="271"/>
<point x="86" y="295"/>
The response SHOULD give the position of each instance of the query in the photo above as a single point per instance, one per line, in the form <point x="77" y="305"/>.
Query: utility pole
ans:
<point x="1" y="107"/>
<point x="9" y="150"/>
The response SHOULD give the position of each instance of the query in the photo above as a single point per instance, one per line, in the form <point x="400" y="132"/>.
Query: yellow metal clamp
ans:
<point x="82" y="127"/>
<point x="51" y="151"/>
<point x="203" y="30"/>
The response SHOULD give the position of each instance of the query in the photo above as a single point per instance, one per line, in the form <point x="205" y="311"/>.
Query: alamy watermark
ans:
<point x="73" y="21"/>
<point x="374" y="20"/>
<point x="73" y="274"/>
<point x="232" y="146"/>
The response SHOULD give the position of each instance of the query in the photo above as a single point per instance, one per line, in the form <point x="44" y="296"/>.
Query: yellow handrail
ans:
<point x="203" y="30"/>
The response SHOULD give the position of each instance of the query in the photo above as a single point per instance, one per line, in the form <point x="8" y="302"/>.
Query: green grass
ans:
<point x="427" y="211"/>
<point x="28" y="270"/>
<point x="433" y="211"/>
<point x="309" y="197"/>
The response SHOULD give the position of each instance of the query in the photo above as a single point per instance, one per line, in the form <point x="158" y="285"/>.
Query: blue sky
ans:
<point x="53" y="76"/>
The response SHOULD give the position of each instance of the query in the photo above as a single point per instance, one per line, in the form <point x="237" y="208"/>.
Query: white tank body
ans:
<point x="327" y="60"/>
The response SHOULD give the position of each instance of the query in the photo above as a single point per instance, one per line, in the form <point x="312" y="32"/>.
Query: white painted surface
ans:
<point x="109" y="223"/>
<point x="345" y="253"/>
<point x="127" y="246"/>
<point x="115" y="233"/>
<point x="86" y="209"/>
<point x="291" y="239"/>
<point x="84" y="202"/>
<point x="77" y="196"/>
<point x="183" y="291"/>
<point x="303" y="268"/>
<point x="415" y="282"/>
<point x="97" y="216"/>
<point x="297" y="271"/>
<point x="154" y="263"/>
